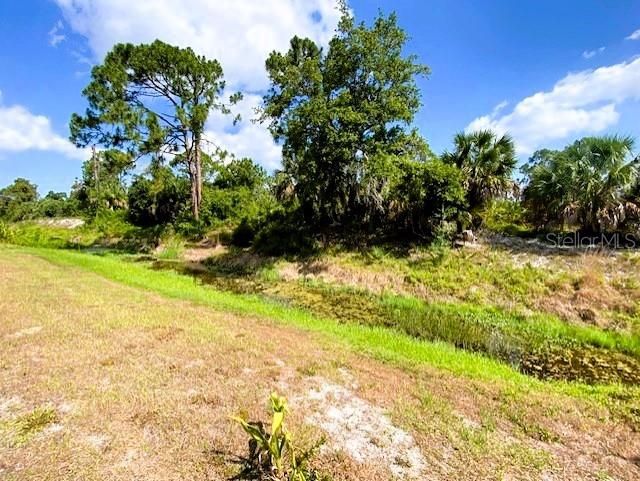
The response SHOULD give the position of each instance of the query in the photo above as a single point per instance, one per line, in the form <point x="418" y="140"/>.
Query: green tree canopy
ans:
<point x="153" y="100"/>
<point x="487" y="163"/>
<point x="240" y="173"/>
<point x="429" y="193"/>
<point x="102" y="184"/>
<point x="342" y="117"/>
<point x="18" y="200"/>
<point x="586" y="183"/>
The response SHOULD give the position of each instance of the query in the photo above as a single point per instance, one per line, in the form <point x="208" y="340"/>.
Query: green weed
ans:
<point x="273" y="454"/>
<point x="171" y="249"/>
<point x="24" y="427"/>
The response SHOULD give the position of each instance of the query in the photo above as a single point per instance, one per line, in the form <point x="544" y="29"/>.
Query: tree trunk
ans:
<point x="195" y="205"/>
<point x="198" y="175"/>
<point x="195" y="174"/>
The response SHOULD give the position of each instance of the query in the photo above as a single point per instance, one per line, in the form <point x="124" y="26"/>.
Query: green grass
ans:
<point x="24" y="427"/>
<point x="106" y="230"/>
<point x="36" y="235"/>
<point x="476" y="327"/>
<point x="541" y="343"/>
<point x="171" y="249"/>
<point x="468" y="275"/>
<point x="380" y="342"/>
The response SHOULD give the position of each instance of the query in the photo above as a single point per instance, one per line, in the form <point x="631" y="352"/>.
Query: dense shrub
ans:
<point x="220" y="205"/>
<point x="155" y="202"/>
<point x="429" y="194"/>
<point x="505" y="216"/>
<point x="18" y="201"/>
<point x="244" y="234"/>
<point x="111" y="224"/>
<point x="284" y="233"/>
<point x="240" y="173"/>
<point x="58" y="204"/>
<point x="5" y="232"/>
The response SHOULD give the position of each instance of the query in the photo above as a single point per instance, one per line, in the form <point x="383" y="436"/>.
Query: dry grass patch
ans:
<point x="141" y="387"/>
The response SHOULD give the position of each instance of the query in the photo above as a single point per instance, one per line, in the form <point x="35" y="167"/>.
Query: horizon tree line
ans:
<point x="352" y="161"/>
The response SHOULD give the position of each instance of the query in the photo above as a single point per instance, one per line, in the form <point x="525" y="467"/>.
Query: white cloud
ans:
<point x="240" y="34"/>
<point x="247" y="139"/>
<point x="583" y="102"/>
<point x="634" y="36"/>
<point x="499" y="108"/>
<point x="587" y="54"/>
<point x="55" y="37"/>
<point x="20" y="130"/>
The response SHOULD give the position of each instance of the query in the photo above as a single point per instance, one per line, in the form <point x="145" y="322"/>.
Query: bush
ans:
<point x="153" y="203"/>
<point x="219" y="205"/>
<point x="429" y="194"/>
<point x="57" y="204"/>
<point x="244" y="234"/>
<point x="231" y="204"/>
<point x="6" y="234"/>
<point x="112" y="224"/>
<point x="505" y="216"/>
<point x="18" y="201"/>
<point x="283" y="234"/>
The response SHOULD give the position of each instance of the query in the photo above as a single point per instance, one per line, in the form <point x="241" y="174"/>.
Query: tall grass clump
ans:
<point x="6" y="234"/>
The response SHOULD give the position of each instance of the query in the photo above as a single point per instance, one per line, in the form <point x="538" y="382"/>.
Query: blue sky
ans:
<point x="545" y="71"/>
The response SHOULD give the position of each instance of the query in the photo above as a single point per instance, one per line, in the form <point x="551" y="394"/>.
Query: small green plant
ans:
<point x="24" y="427"/>
<point x="273" y="456"/>
<point x="5" y="232"/>
<point x="171" y="249"/>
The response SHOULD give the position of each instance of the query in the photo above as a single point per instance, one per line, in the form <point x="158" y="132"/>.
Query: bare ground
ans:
<point x="103" y="382"/>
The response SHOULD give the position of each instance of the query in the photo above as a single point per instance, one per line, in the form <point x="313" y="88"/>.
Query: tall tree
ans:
<point x="17" y="201"/>
<point x="486" y="161"/>
<point x="153" y="100"/>
<point x="102" y="183"/>
<point x="342" y="117"/>
<point x="586" y="183"/>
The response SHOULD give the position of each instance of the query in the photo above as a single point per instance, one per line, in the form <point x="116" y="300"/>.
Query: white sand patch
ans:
<point x="8" y="405"/>
<point x="362" y="430"/>
<point x="65" y="407"/>
<point x="29" y="331"/>
<point x="53" y="429"/>
<point x="348" y="378"/>
<point x="66" y="223"/>
<point x="99" y="442"/>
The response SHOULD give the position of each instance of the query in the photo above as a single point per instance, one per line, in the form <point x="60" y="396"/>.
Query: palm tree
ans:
<point x="487" y="162"/>
<point x="586" y="183"/>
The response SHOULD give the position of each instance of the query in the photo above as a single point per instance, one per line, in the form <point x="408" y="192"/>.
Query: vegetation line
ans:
<point x="382" y="343"/>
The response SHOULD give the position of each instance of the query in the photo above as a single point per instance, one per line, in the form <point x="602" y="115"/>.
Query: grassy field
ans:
<point x="112" y="370"/>
<point x="378" y="288"/>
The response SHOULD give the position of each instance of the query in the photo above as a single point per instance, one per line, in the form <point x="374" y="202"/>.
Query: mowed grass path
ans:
<point x="104" y="381"/>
